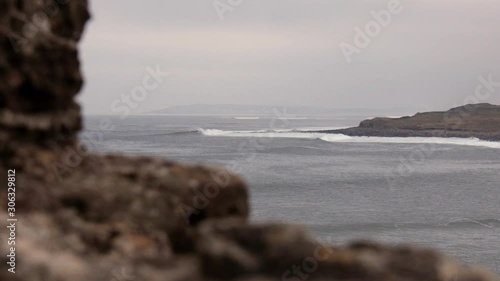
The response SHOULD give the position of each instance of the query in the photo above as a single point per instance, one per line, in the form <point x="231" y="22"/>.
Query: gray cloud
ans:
<point x="286" y="52"/>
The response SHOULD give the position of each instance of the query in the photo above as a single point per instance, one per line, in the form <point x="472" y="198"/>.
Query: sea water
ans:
<point x="431" y="192"/>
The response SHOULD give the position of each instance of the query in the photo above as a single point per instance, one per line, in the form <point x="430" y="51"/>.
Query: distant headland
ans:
<point x="480" y="121"/>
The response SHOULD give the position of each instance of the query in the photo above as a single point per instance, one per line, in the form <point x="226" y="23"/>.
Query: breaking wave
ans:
<point x="340" y="138"/>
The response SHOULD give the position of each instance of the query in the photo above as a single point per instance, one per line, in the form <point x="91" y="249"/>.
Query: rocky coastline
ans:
<point x="480" y="121"/>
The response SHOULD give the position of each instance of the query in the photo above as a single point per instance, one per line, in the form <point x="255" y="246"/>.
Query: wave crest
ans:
<point x="340" y="138"/>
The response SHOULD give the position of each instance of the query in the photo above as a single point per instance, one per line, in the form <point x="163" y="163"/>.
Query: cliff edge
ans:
<point x="469" y="121"/>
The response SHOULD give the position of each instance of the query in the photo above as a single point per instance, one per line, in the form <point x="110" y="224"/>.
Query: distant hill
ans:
<point x="266" y="110"/>
<point x="473" y="120"/>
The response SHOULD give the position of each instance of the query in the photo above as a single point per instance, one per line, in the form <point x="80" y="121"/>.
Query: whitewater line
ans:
<point x="340" y="138"/>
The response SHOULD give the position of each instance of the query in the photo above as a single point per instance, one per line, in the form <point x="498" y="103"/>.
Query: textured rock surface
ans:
<point x="107" y="217"/>
<point x="474" y="120"/>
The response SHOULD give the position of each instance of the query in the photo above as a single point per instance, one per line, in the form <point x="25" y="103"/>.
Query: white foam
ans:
<point x="321" y="128"/>
<point x="416" y="140"/>
<point x="340" y="138"/>
<point x="246" y="118"/>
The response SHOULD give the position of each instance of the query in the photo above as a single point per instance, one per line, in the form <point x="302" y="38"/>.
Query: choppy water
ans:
<point x="442" y="193"/>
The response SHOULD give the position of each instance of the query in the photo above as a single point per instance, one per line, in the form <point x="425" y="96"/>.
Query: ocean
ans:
<point x="431" y="192"/>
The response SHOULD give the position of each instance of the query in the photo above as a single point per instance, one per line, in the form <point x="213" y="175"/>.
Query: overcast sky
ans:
<point x="287" y="52"/>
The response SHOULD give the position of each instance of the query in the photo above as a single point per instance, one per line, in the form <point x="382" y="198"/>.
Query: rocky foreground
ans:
<point x="480" y="121"/>
<point x="82" y="216"/>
